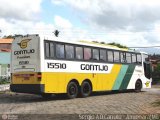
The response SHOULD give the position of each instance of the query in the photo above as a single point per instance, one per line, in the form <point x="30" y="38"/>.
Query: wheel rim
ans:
<point x="72" y="90"/>
<point x="138" y="85"/>
<point x="86" y="89"/>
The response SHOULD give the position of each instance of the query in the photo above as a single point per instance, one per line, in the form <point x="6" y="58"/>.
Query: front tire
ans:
<point x="72" y="90"/>
<point x="138" y="86"/>
<point x="86" y="89"/>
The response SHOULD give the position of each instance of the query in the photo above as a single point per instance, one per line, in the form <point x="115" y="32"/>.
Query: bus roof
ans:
<point x="82" y="42"/>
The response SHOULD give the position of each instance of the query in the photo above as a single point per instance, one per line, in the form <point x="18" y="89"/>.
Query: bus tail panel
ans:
<point x="27" y="82"/>
<point x="27" y="88"/>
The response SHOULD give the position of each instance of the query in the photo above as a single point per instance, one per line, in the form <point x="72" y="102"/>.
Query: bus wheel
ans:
<point x="46" y="95"/>
<point x="86" y="89"/>
<point x="72" y="90"/>
<point x="138" y="86"/>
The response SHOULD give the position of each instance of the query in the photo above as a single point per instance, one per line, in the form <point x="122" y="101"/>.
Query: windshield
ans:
<point x="145" y="57"/>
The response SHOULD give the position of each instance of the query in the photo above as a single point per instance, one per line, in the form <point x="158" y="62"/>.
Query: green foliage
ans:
<point x="118" y="45"/>
<point x="113" y="43"/>
<point x="102" y="42"/>
<point x="156" y="75"/>
<point x="4" y="80"/>
<point x="95" y="41"/>
<point x="12" y="36"/>
<point x="157" y="69"/>
<point x="8" y="37"/>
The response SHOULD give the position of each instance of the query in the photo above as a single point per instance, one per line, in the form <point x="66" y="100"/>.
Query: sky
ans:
<point x="128" y="22"/>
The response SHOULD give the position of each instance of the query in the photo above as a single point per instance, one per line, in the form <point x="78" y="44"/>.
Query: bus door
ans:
<point x="147" y="69"/>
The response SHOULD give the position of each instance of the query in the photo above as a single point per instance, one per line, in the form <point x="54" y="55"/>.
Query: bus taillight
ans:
<point x="39" y="75"/>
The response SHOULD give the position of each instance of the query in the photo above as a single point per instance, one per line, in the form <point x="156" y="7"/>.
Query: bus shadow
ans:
<point x="112" y="92"/>
<point x="19" y="98"/>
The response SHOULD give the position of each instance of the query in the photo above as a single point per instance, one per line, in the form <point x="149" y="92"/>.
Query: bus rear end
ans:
<point x="25" y="65"/>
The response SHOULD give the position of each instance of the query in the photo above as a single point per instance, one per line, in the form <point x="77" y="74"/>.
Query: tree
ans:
<point x="113" y="43"/>
<point x="118" y="45"/>
<point x="157" y="69"/>
<point x="12" y="36"/>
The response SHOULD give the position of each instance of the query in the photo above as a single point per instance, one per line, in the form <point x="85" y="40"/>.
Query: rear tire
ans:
<point x="72" y="90"/>
<point x="86" y="89"/>
<point x="138" y="86"/>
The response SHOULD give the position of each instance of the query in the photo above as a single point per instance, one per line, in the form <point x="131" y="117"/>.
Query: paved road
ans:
<point x="101" y="103"/>
<point x="153" y="91"/>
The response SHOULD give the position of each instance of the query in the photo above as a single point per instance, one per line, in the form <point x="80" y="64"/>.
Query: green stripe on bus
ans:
<point x="120" y="77"/>
<point x="127" y="77"/>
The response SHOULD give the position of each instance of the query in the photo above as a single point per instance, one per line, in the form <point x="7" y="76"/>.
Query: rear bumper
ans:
<point x="27" y="88"/>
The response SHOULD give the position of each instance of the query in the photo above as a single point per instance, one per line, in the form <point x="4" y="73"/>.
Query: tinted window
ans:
<point x="51" y="50"/>
<point x="59" y="51"/>
<point x="116" y="56"/>
<point x="47" y="49"/>
<point x="128" y="57"/>
<point x="69" y="52"/>
<point x="123" y="57"/>
<point x="134" y="59"/>
<point x="103" y="55"/>
<point x="87" y="53"/>
<point x="110" y="56"/>
<point x="79" y="53"/>
<point x="95" y="54"/>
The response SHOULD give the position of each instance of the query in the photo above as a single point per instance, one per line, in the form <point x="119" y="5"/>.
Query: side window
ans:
<point x="128" y="57"/>
<point x="87" y="53"/>
<point x="110" y="56"/>
<point x="103" y="55"/>
<point x="51" y="49"/>
<point x="95" y="54"/>
<point x="134" y="59"/>
<point x="69" y="51"/>
<point x="123" y="57"/>
<point x="116" y="56"/>
<point x="60" y="51"/>
<point x="139" y="58"/>
<point x="79" y="53"/>
<point x="47" y="50"/>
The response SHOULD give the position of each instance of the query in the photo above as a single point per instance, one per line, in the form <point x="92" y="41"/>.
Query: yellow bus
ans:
<point x="46" y="65"/>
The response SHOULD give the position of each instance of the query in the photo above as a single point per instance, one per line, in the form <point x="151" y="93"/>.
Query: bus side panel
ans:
<point x="127" y="77"/>
<point x="138" y="74"/>
<point x="51" y="81"/>
<point x="120" y="77"/>
<point x="106" y="81"/>
<point x="57" y="82"/>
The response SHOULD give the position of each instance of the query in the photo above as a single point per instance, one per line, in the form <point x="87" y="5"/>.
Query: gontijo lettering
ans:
<point x="94" y="67"/>
<point x="21" y="52"/>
